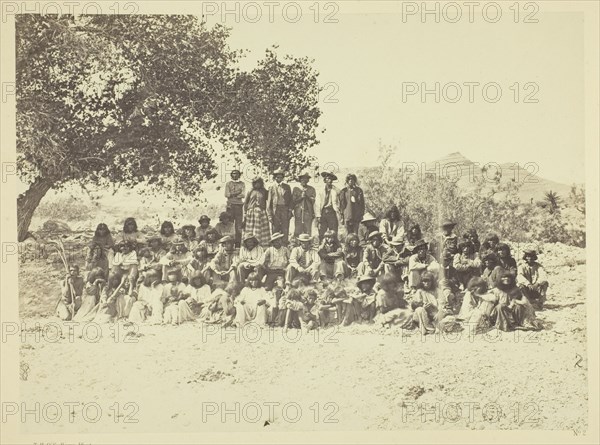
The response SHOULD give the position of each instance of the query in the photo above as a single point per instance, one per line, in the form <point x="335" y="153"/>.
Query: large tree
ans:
<point x="147" y="100"/>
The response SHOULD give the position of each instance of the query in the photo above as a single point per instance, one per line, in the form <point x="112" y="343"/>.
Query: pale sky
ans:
<point x="368" y="56"/>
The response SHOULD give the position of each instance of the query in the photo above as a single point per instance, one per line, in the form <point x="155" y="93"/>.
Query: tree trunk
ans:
<point x="27" y="203"/>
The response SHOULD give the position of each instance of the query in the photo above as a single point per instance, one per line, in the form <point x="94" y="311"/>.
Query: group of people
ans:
<point x="247" y="268"/>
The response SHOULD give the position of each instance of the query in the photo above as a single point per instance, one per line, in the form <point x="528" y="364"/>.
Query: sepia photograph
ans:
<point x="293" y="222"/>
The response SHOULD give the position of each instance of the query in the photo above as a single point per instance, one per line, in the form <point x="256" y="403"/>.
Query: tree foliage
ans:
<point x="130" y="99"/>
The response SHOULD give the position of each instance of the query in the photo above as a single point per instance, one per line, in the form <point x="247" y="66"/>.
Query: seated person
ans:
<point x="151" y="256"/>
<point x="250" y="259"/>
<point x="353" y="254"/>
<point x="372" y="263"/>
<point x="367" y="226"/>
<point x="251" y="304"/>
<point x="203" y="228"/>
<point x="188" y="236"/>
<point x="304" y="261"/>
<point x="177" y="259"/>
<point x="174" y="297"/>
<point x="125" y="262"/>
<point x="419" y="263"/>
<point x="149" y="306"/>
<point x="331" y="257"/>
<point x="211" y="243"/>
<point x="532" y="279"/>
<point x="71" y="290"/>
<point x="221" y="268"/>
<point x="396" y="259"/>
<point x="277" y="259"/>
<point x="466" y="263"/>
<point x="505" y="258"/>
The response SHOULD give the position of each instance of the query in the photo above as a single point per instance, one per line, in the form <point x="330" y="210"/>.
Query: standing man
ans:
<point x="279" y="206"/>
<point x="235" y="191"/>
<point x="352" y="204"/>
<point x="303" y="198"/>
<point x="327" y="207"/>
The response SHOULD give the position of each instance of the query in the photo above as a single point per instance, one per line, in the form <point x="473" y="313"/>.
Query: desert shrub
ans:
<point x="488" y="206"/>
<point x="67" y="208"/>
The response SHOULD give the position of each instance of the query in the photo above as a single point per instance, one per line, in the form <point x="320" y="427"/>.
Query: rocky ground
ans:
<point x="195" y="377"/>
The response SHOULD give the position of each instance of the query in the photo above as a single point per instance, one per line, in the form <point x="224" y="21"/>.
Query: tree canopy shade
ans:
<point x="134" y="99"/>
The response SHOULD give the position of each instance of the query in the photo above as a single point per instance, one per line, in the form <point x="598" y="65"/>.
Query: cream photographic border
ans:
<point x="9" y="270"/>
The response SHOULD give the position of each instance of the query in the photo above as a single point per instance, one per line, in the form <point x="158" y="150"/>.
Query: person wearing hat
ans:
<point x="221" y="269"/>
<point x="445" y="247"/>
<point x="303" y="199"/>
<point x="149" y="306"/>
<point x="277" y="258"/>
<point x="396" y="259"/>
<point x="279" y="206"/>
<point x="361" y="305"/>
<point x="466" y="263"/>
<point x="177" y="259"/>
<point x="368" y="225"/>
<point x="352" y="204"/>
<point x="234" y="192"/>
<point x="419" y="263"/>
<point x="203" y="228"/>
<point x="250" y="259"/>
<point x="372" y="263"/>
<point x="327" y="206"/>
<point x="332" y="257"/>
<point x="532" y="278"/>
<point x="226" y="225"/>
<point x="125" y="261"/>
<point x="256" y="220"/>
<point x="304" y="261"/>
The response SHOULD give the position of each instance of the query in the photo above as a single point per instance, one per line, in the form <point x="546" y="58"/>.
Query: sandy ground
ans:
<point x="199" y="378"/>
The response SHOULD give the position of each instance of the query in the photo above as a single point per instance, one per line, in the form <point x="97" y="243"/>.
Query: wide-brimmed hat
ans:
<point x="420" y="244"/>
<point x="304" y="237"/>
<point x="304" y="175"/>
<point x="447" y="223"/>
<point x="329" y="232"/>
<point x="204" y="218"/>
<point x="374" y="234"/>
<point x="276" y="236"/>
<point x="368" y="217"/>
<point x="397" y="240"/>
<point x="279" y="171"/>
<point x="249" y="236"/>
<point x="365" y="278"/>
<point x="225" y="239"/>
<point x="330" y="174"/>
